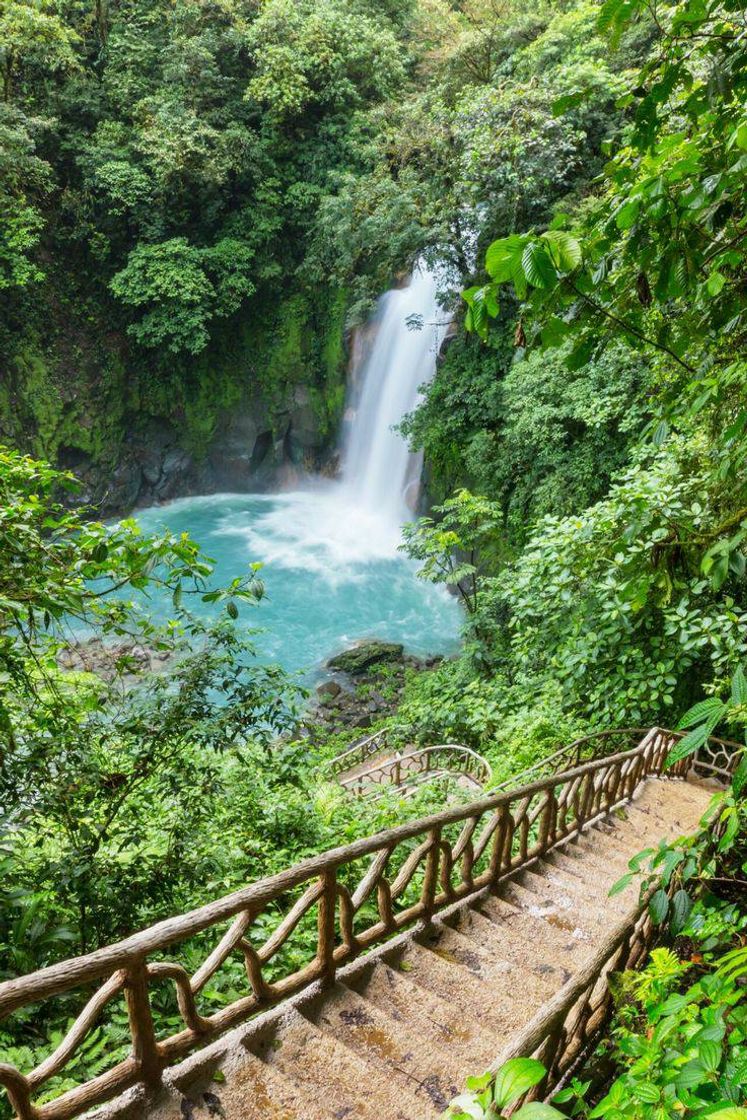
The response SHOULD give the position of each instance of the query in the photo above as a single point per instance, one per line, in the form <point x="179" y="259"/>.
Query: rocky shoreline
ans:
<point x="365" y="682"/>
<point x="366" y="685"/>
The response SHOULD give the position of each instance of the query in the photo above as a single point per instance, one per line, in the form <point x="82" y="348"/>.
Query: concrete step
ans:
<point x="252" y="1090"/>
<point x="554" y="880"/>
<point x="555" y="933"/>
<point x="330" y="1072"/>
<point x="420" y="1010"/>
<point x="496" y="998"/>
<point x="393" y="1048"/>
<point x="553" y="958"/>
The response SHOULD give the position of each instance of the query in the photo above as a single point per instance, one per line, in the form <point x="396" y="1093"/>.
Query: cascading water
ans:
<point x="332" y="567"/>
<point x="377" y="466"/>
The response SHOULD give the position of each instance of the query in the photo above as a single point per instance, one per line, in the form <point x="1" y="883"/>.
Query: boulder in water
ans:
<point x="365" y="654"/>
<point x="328" y="690"/>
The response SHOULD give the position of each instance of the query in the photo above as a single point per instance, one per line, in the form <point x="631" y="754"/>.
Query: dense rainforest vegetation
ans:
<point x="200" y="198"/>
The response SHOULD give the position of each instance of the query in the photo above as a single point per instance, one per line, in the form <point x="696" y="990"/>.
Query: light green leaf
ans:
<point x="515" y="1078"/>
<point x="569" y="101"/>
<point x="554" y="331"/>
<point x="564" y="250"/>
<point x="689" y="744"/>
<point x="691" y="1074"/>
<point x="710" y="1055"/>
<point x="739" y="687"/>
<point x="503" y="257"/>
<point x="647" y="1092"/>
<point x="702" y="711"/>
<point x="538" y="268"/>
<point x="537" y="1110"/>
<point x="627" y="214"/>
<point x="621" y="884"/>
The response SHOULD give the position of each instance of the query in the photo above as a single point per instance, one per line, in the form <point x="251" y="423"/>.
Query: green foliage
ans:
<point x="320" y="56"/>
<point x="657" y="260"/>
<point x="492" y="1096"/>
<point x="91" y="770"/>
<point x="33" y="37"/>
<point x="447" y="546"/>
<point x="613" y="604"/>
<point x="161" y="166"/>
<point x="532" y="435"/>
<point x="181" y="289"/>
<point x="24" y="180"/>
<point x="687" y="1055"/>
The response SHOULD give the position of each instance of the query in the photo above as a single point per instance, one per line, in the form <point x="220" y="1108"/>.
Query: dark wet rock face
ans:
<point x="358" y="698"/>
<point x="328" y="690"/>
<point x="250" y="450"/>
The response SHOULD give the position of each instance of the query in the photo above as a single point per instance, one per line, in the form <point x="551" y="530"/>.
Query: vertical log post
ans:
<point x="499" y="846"/>
<point x="326" y="927"/>
<point x="547" y="821"/>
<point x="144" y="1045"/>
<point x="430" y="878"/>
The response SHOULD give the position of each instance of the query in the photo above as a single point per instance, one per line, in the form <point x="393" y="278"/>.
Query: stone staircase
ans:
<point x="395" y="1035"/>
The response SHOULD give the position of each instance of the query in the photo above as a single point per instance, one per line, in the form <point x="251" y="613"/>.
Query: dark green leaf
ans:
<point x="658" y="906"/>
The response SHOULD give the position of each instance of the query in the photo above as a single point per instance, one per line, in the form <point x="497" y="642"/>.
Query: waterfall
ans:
<point x="337" y="529"/>
<point x="377" y="467"/>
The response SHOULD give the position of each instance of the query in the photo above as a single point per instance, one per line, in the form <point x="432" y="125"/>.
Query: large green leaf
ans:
<point x="515" y="1078"/>
<point x="739" y="687"/>
<point x="538" y="1110"/>
<point x="710" y="1055"/>
<point x="503" y="257"/>
<point x="564" y="250"/>
<point x="682" y="904"/>
<point x="689" y="744"/>
<point x="537" y="266"/>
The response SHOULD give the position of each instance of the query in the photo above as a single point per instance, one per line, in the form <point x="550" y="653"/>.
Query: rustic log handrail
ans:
<point x="422" y="761"/>
<point x="404" y="883"/>
<point x="572" y="754"/>
<point x="360" y="751"/>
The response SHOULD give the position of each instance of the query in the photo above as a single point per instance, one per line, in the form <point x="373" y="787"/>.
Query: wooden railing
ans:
<point x="360" y="751"/>
<point x="359" y="896"/>
<point x="717" y="758"/>
<point x="597" y="745"/>
<point x="418" y="765"/>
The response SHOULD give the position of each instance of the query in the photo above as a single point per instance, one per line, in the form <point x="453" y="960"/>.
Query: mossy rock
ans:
<point x="362" y="656"/>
